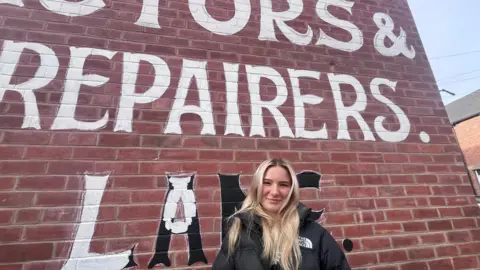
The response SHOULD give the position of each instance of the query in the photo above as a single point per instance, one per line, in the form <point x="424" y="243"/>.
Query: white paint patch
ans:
<point x="386" y="26"/>
<point x="269" y="17"/>
<point x="343" y="112"/>
<point x="75" y="79"/>
<point x="233" y="122"/>
<point x="73" y="9"/>
<point x="299" y="101"/>
<point x="200" y="13"/>
<point x="424" y="137"/>
<point x="45" y="73"/>
<point x="80" y="257"/>
<point x="18" y="3"/>
<point x="192" y="69"/>
<point x="357" y="36"/>
<point x="129" y="98"/>
<point x="254" y="74"/>
<point x="383" y="133"/>
<point x="180" y="192"/>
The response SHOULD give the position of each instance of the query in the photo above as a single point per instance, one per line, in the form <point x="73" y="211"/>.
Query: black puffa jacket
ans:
<point x="319" y="249"/>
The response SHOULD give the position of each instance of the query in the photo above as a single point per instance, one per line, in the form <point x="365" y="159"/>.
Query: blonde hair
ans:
<point x="280" y="237"/>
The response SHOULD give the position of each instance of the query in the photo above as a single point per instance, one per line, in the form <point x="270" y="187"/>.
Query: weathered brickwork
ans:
<point x="128" y="129"/>
<point x="467" y="136"/>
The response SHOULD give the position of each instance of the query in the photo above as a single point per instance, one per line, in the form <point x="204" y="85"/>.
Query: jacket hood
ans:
<point x="306" y="215"/>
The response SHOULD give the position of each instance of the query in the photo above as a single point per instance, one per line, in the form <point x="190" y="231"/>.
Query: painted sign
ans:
<point x="180" y="188"/>
<point x="196" y="71"/>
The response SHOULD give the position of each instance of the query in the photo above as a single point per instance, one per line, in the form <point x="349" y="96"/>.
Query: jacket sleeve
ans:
<point x="331" y="255"/>
<point x="223" y="261"/>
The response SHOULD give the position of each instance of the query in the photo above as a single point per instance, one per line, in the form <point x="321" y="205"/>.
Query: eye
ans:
<point x="267" y="183"/>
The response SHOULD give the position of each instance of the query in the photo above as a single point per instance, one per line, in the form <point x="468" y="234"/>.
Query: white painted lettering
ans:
<point x="74" y="80"/>
<point x="45" y="73"/>
<point x="18" y="3"/>
<point x="254" y="74"/>
<point x="386" y="26"/>
<point x="269" y="17"/>
<point x="73" y="9"/>
<point x="199" y="12"/>
<point x="180" y="192"/>
<point x="80" y="257"/>
<point x="233" y="122"/>
<point x="149" y="14"/>
<point x="384" y="134"/>
<point x="343" y="112"/>
<point x="131" y="62"/>
<point x="299" y="101"/>
<point x="192" y="69"/>
<point x="357" y="36"/>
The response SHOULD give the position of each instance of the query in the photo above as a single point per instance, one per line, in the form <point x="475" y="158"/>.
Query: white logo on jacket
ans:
<point x="305" y="242"/>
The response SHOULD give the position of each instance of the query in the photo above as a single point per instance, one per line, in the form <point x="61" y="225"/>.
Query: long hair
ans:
<point x="280" y="236"/>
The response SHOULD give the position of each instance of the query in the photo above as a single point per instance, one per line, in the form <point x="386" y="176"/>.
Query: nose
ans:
<point x="274" y="190"/>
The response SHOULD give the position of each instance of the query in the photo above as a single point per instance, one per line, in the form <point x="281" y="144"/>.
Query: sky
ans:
<point x="448" y="27"/>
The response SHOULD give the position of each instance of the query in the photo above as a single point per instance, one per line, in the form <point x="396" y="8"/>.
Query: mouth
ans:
<point x="274" y="201"/>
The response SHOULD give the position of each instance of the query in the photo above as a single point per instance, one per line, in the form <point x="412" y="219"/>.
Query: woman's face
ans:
<point x="276" y="187"/>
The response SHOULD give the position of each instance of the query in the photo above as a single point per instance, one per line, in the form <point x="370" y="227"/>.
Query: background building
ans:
<point x="464" y="115"/>
<point x="130" y="128"/>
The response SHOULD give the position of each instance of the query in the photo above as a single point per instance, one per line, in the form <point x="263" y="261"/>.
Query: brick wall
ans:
<point x="109" y="109"/>
<point x="467" y="136"/>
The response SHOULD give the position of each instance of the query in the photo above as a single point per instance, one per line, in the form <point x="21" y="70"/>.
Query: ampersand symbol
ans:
<point x="385" y="25"/>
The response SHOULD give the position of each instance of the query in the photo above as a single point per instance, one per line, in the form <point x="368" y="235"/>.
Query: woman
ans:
<point x="272" y="230"/>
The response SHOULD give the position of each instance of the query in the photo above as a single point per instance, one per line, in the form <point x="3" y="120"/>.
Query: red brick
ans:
<point x="458" y="237"/>
<point x="117" y="168"/>
<point x="16" y="199"/>
<point x="70" y="167"/>
<point x="22" y="167"/>
<point x="119" y="140"/>
<point x="41" y="183"/>
<point x="414" y="226"/>
<point x="11" y="152"/>
<point x="404" y="241"/>
<point x="28" y="216"/>
<point x="433" y="238"/>
<point x="376" y="243"/>
<point x="158" y="168"/>
<point x="250" y="155"/>
<point x="447" y="251"/>
<point x="425" y="213"/>
<point x="414" y="265"/>
<point x="15" y="253"/>
<point x="137" y="154"/>
<point x="206" y="142"/>
<point x="215" y="155"/>
<point x="421" y="253"/>
<point x="465" y="262"/>
<point x="364" y="259"/>
<point x="387" y="228"/>
<point x="26" y="137"/>
<point x="101" y="153"/>
<point x="358" y="231"/>
<point x="392" y="256"/>
<point x="440" y="225"/>
<point x="138" y="212"/>
<point x="10" y="234"/>
<point x="442" y="264"/>
<point x="59" y="198"/>
<point x="7" y="182"/>
<point x="141" y="228"/>
<point x="47" y="233"/>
